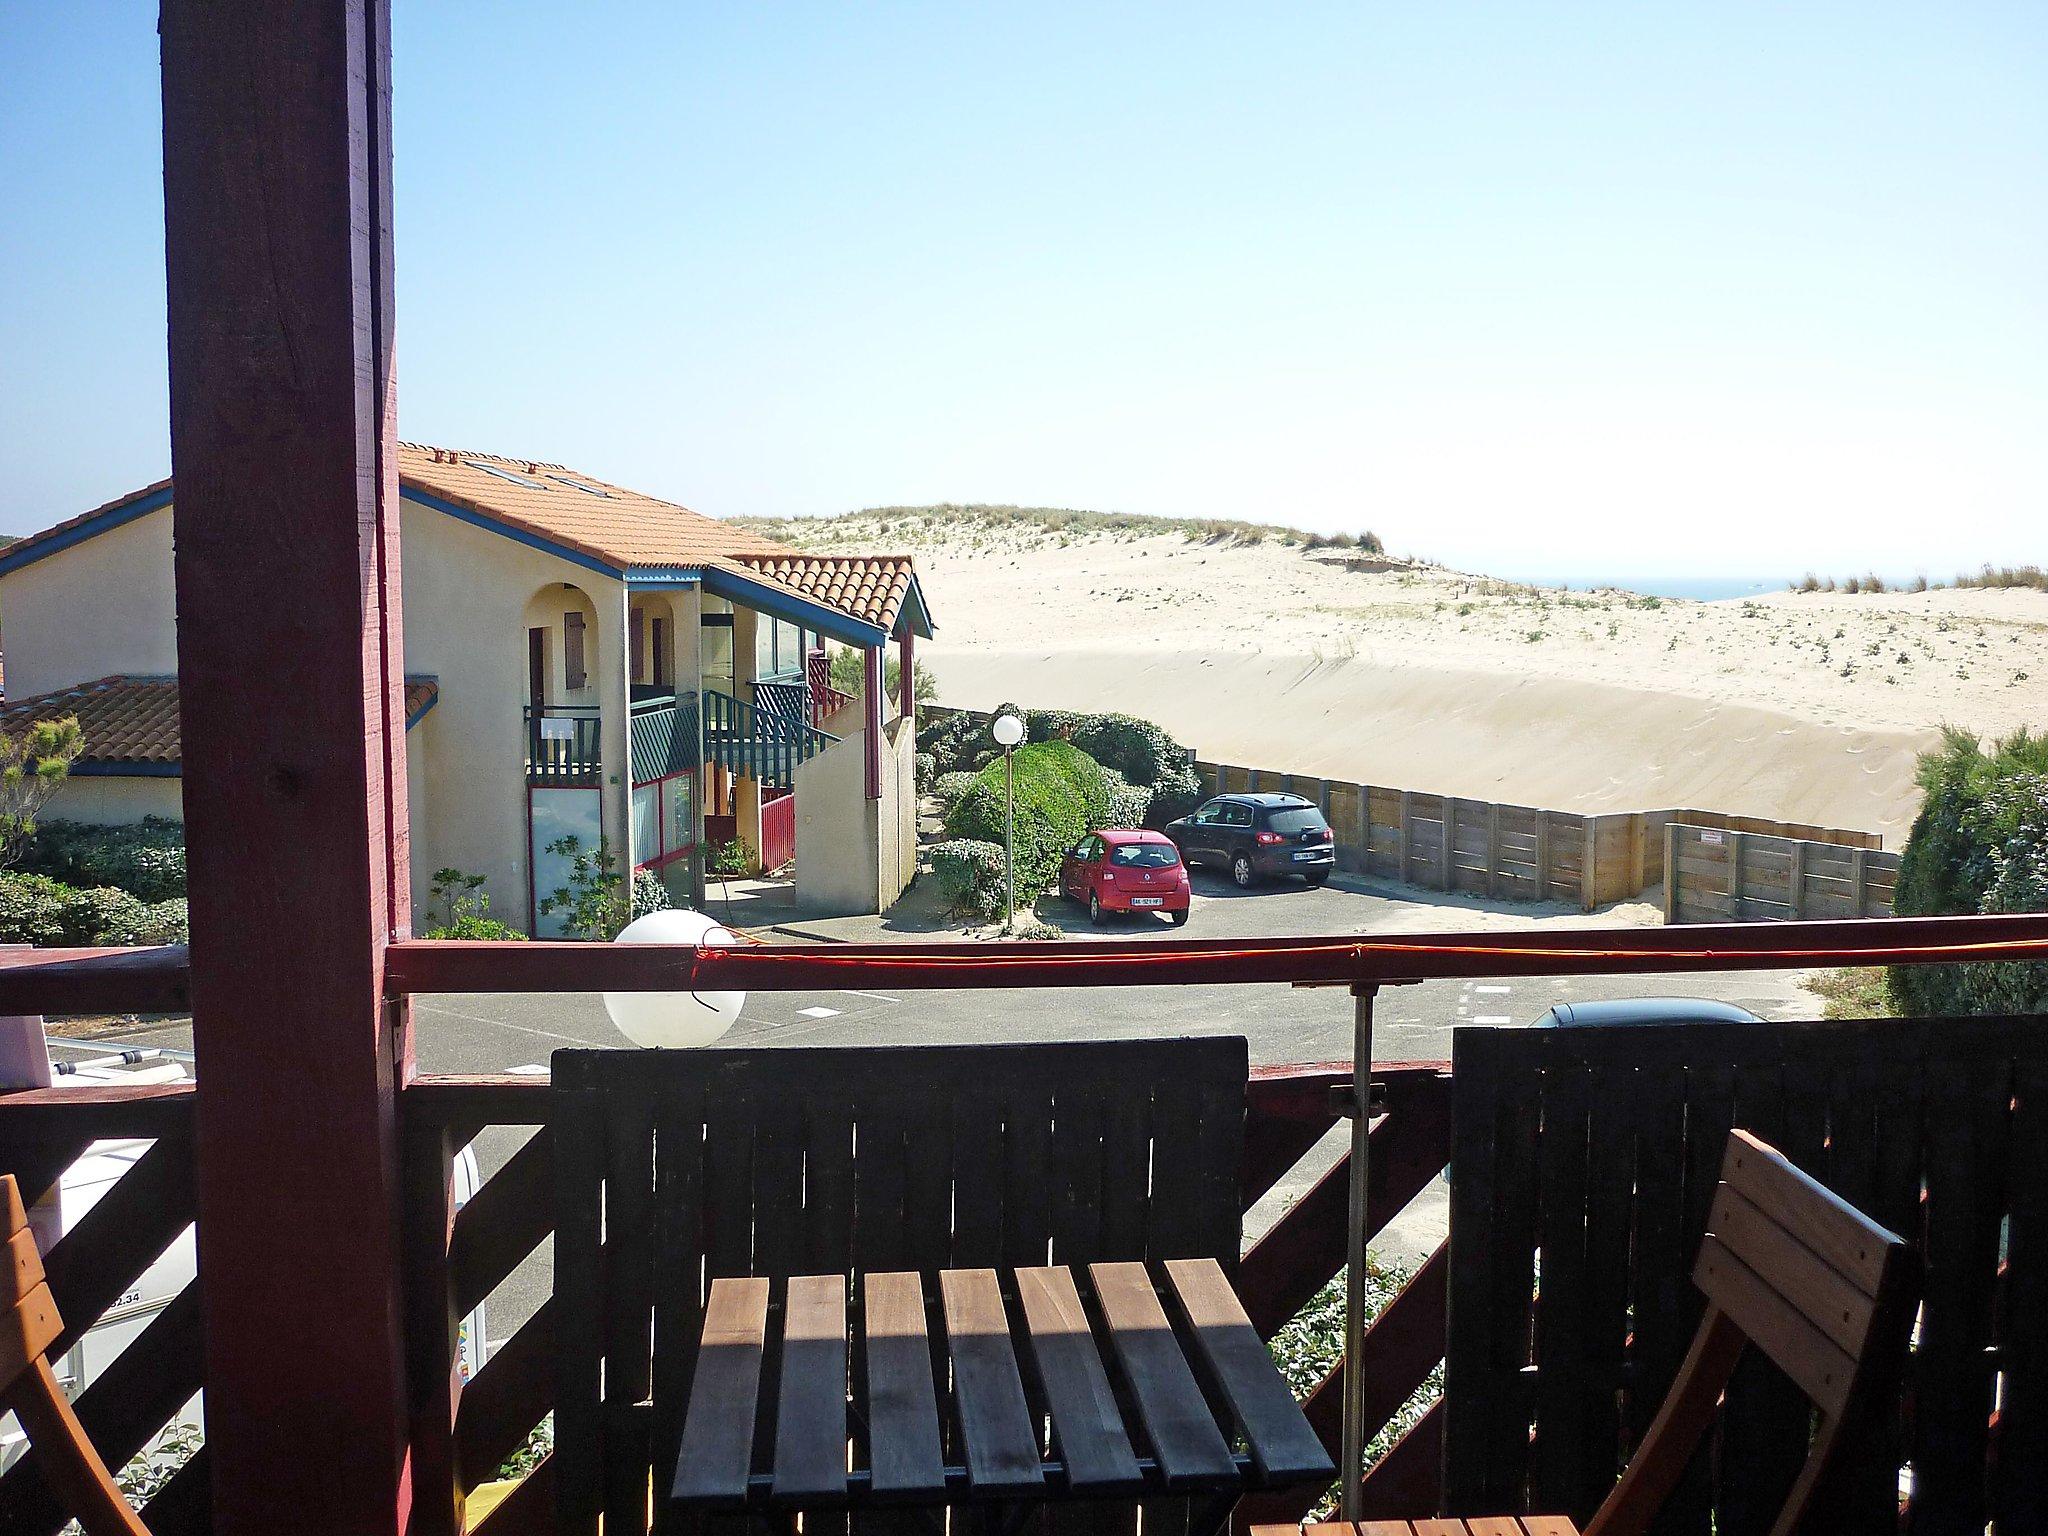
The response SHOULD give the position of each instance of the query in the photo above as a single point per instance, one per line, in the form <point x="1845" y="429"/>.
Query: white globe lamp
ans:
<point x="1008" y="731"/>
<point x="674" y="1020"/>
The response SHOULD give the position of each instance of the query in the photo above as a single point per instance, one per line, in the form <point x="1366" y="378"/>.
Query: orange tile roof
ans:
<point x="607" y="523"/>
<point x="870" y="587"/>
<point x="135" y="719"/>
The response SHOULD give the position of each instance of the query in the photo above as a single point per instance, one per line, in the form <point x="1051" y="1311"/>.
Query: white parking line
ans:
<point x="1492" y="1018"/>
<point x="876" y="996"/>
<point x="817" y="1013"/>
<point x="1491" y="989"/>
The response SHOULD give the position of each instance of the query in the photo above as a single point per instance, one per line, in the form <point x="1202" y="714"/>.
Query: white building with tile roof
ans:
<point x="582" y="660"/>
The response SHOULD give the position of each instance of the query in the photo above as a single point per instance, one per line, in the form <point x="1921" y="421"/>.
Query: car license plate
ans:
<point x="1309" y="854"/>
<point x="1146" y="901"/>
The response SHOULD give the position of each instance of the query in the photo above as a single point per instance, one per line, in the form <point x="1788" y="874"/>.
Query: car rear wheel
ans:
<point x="1242" y="872"/>
<point x="1095" y="909"/>
<point x="1316" y="876"/>
<point x="1180" y="918"/>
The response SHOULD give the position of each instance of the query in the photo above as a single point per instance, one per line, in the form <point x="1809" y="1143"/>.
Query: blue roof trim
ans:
<point x="517" y="535"/>
<point x="784" y="605"/>
<point x="415" y="717"/>
<point x="658" y="576"/>
<point x="914" y="599"/>
<point x="116" y="770"/>
<point x="92" y="527"/>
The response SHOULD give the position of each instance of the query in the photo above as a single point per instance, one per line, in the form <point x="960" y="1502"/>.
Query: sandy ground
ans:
<point x="1804" y="707"/>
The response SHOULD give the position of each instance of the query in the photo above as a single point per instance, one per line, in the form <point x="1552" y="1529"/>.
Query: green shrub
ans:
<point x="650" y="894"/>
<point x="472" y="926"/>
<point x="728" y="859"/>
<point x="1128" y="802"/>
<point x="145" y="859"/>
<point x="970" y="876"/>
<point x="949" y="787"/>
<point x="926" y="769"/>
<point x="1139" y="750"/>
<point x="1979" y="845"/>
<point x="35" y="909"/>
<point x="32" y="910"/>
<point x="961" y="743"/>
<point x="1062" y="795"/>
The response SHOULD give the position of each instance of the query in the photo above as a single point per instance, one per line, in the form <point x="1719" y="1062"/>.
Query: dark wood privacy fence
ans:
<point x="1724" y="875"/>
<point x="91" y="1269"/>
<point x="1584" y="1162"/>
<point x="463" y="1431"/>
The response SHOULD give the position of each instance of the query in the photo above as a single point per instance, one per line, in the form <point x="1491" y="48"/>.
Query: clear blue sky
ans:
<point x="1542" y="288"/>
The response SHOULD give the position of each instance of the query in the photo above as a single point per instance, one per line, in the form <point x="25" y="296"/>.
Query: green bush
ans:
<point x="35" y="909"/>
<point x="1062" y="794"/>
<point x="145" y="859"/>
<point x="1139" y="750"/>
<point x="1979" y="845"/>
<point x="962" y="743"/>
<point x="926" y="769"/>
<point x="970" y="876"/>
<point x="1128" y="802"/>
<point x="949" y="787"/>
<point x="650" y="894"/>
<point x="32" y="910"/>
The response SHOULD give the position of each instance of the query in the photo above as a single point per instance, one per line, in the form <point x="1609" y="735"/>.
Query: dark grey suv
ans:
<point x="1258" y="837"/>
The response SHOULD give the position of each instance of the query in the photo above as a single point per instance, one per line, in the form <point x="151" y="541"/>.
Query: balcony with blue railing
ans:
<point x="764" y="740"/>
<point x="563" y="745"/>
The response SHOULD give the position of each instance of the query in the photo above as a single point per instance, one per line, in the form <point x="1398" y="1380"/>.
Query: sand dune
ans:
<point x="1804" y="707"/>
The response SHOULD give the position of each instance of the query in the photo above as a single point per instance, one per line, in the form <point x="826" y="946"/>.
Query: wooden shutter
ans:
<point x="575" y="674"/>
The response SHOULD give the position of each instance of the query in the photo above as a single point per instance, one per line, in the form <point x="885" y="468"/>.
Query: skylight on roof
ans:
<point x="506" y="474"/>
<point x="578" y="485"/>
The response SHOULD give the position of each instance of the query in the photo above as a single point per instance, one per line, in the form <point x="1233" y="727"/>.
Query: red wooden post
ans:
<point x="906" y="688"/>
<point x="871" y="717"/>
<point x="277" y="219"/>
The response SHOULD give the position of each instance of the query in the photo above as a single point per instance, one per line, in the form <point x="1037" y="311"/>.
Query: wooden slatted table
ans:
<point x="1488" y="1525"/>
<point x="1131" y="1383"/>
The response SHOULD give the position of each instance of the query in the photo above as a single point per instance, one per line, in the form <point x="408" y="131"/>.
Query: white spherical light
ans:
<point x="674" y="1019"/>
<point x="1008" y="730"/>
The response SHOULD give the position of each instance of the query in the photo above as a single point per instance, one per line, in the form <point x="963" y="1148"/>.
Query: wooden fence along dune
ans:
<point x="1708" y="865"/>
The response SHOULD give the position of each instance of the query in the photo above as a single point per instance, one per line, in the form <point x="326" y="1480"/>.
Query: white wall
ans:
<point x="854" y="854"/>
<point x="468" y="597"/>
<point x="103" y="606"/>
<point x="116" y="800"/>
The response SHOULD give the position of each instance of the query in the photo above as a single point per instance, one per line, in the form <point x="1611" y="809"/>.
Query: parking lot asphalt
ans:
<point x="517" y="1032"/>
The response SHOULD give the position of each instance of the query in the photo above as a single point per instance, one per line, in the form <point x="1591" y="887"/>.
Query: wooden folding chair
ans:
<point x="28" y="1389"/>
<point x="1825" y="1292"/>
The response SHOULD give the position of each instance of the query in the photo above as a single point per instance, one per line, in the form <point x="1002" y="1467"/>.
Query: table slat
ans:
<point x="903" y="1412"/>
<point x="1283" y="1447"/>
<point x="810" y="1413"/>
<point x="995" y="1422"/>
<point x="1092" y="1442"/>
<point x="1184" y="1437"/>
<point x="718" y="1432"/>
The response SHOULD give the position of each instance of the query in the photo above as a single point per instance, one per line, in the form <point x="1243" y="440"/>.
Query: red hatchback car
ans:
<point x="1121" y="870"/>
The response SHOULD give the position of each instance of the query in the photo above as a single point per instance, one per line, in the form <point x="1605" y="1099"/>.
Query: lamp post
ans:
<point x="1008" y="730"/>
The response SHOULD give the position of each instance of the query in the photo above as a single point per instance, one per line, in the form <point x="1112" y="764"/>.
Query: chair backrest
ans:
<point x="1818" y="1287"/>
<point x="29" y="1325"/>
<point x="675" y="1168"/>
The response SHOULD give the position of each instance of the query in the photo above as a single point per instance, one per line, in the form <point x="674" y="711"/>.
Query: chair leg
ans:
<point x="83" y="1486"/>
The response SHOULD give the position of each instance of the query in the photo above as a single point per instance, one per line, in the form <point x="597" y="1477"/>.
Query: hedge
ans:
<point x="1139" y="750"/>
<point x="1062" y="795"/>
<point x="1979" y="845"/>
<point x="145" y="858"/>
<point x="34" y="909"/>
<point x="970" y="876"/>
